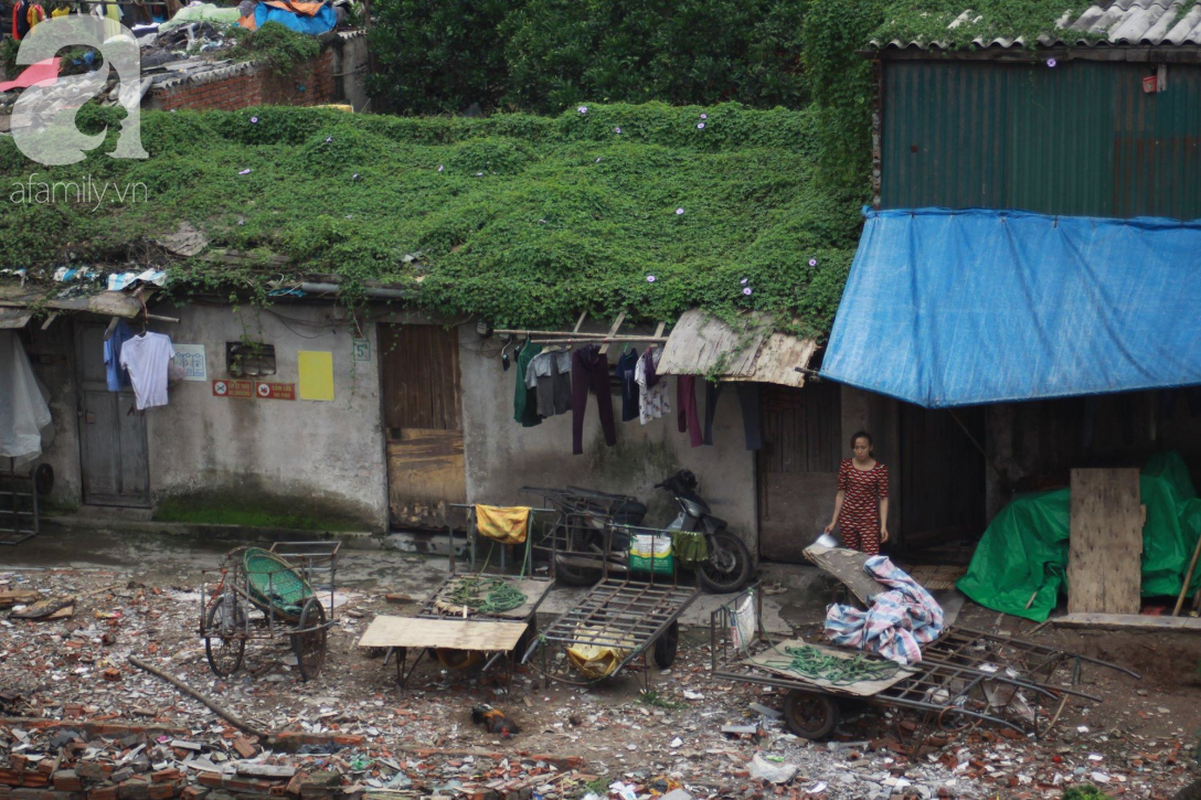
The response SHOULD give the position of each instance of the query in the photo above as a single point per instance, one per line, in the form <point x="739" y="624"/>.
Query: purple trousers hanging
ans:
<point x="590" y="373"/>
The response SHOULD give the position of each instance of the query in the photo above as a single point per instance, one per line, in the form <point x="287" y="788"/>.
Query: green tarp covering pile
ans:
<point x="1024" y="552"/>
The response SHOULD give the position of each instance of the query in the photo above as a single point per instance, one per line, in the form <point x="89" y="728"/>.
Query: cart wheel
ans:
<point x="309" y="646"/>
<point x="528" y="638"/>
<point x="666" y="645"/>
<point x="810" y="715"/>
<point x="228" y="621"/>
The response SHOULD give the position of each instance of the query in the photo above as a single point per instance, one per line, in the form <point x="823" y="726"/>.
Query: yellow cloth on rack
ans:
<point x="507" y="525"/>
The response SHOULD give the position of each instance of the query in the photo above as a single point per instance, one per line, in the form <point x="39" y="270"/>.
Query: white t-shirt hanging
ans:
<point x="652" y="401"/>
<point x="147" y="357"/>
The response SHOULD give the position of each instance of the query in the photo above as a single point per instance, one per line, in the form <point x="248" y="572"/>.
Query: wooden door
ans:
<point x="112" y="433"/>
<point x="419" y="368"/>
<point x="798" y="467"/>
<point x="940" y="479"/>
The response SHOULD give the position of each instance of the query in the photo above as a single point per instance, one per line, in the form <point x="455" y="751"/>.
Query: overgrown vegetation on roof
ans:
<point x="514" y="219"/>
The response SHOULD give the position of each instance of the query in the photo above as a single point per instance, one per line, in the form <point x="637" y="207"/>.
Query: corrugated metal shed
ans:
<point x="700" y="343"/>
<point x="1082" y="138"/>
<point x="1121" y="22"/>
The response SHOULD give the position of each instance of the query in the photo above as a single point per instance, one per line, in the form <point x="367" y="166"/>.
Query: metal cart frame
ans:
<point x="433" y="607"/>
<point x="19" y="515"/>
<point x="633" y="615"/>
<point x="234" y="610"/>
<point x="965" y="677"/>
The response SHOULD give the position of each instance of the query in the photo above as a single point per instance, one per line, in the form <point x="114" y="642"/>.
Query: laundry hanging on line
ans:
<point x="590" y="373"/>
<point x="147" y="357"/>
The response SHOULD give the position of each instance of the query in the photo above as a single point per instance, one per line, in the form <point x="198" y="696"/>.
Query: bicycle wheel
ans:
<point x="309" y="644"/>
<point x="225" y="635"/>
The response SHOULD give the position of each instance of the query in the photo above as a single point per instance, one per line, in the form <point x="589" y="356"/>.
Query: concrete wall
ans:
<point x="502" y="456"/>
<point x="350" y="69"/>
<point x="324" y="458"/>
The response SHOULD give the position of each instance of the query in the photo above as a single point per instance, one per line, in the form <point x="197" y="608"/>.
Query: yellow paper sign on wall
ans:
<point x="316" y="375"/>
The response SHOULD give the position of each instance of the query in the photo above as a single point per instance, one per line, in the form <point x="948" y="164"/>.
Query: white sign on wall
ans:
<point x="190" y="358"/>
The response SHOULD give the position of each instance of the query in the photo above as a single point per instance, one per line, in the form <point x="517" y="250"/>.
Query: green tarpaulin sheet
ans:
<point x="1024" y="552"/>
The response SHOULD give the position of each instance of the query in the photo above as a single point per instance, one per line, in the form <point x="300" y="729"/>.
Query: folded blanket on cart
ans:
<point x="899" y="621"/>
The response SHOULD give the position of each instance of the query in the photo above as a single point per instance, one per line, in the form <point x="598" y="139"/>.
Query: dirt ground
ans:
<point x="139" y="597"/>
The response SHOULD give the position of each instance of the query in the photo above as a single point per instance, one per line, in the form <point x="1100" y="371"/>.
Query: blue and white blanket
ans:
<point x="899" y="621"/>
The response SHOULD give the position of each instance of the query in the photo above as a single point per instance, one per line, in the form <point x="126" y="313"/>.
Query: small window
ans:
<point x="249" y="359"/>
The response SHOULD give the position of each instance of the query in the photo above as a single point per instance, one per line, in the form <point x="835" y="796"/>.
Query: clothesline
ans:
<point x="579" y="336"/>
<point x="603" y="340"/>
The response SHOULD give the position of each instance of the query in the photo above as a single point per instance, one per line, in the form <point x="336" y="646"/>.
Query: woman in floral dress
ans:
<point x="861" y="505"/>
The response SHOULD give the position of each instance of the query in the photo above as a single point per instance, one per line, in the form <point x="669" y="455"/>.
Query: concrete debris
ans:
<point x="78" y="719"/>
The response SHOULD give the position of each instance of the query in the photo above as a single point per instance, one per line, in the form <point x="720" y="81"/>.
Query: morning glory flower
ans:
<point x="1051" y="63"/>
<point x="704" y="116"/>
<point x="439" y="167"/>
<point x="650" y="278"/>
<point x="582" y="109"/>
<point x="744" y="280"/>
<point x="679" y="211"/>
<point x="700" y="126"/>
<point x="813" y="262"/>
<point x="254" y="119"/>
<point x="746" y="290"/>
<point x="244" y="172"/>
<point x="617" y="130"/>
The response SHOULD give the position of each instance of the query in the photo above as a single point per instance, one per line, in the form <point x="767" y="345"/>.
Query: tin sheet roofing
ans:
<point x="1119" y="22"/>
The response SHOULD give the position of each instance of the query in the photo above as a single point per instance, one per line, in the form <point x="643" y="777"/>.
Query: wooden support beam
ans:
<point x="612" y="331"/>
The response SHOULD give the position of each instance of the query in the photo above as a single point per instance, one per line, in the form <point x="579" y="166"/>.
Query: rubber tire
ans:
<point x="528" y="638"/>
<point x="569" y="575"/>
<point x="667" y="645"/>
<point x="224" y="658"/>
<point x="310" y="647"/>
<point x="810" y="715"/>
<point x="734" y="569"/>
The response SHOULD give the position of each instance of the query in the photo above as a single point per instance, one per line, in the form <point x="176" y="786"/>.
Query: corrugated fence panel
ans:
<point x="1081" y="138"/>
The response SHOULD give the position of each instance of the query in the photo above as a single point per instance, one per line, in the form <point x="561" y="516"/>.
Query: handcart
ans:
<point x="619" y="621"/>
<point x="468" y="618"/>
<point x="577" y="537"/>
<point x="287" y="590"/>
<point x="965" y="677"/>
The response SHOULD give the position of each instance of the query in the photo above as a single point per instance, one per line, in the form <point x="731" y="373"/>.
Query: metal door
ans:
<point x="798" y="467"/>
<point x="112" y="433"/>
<point x="419" y="369"/>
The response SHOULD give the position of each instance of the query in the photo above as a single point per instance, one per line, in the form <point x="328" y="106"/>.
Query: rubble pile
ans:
<point x="79" y="719"/>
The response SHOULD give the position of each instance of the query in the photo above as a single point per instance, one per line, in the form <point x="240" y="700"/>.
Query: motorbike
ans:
<point x="587" y="517"/>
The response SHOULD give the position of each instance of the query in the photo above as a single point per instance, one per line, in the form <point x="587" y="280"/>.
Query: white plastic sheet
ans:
<point x="23" y="411"/>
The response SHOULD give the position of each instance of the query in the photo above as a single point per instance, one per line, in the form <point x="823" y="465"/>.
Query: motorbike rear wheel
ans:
<point x="728" y="567"/>
<point x="578" y="542"/>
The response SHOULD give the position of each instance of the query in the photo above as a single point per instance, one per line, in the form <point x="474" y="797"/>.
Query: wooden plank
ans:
<point x="1139" y="621"/>
<point x="847" y="566"/>
<point x="426" y="471"/>
<point x="454" y="634"/>
<point x="1106" y="545"/>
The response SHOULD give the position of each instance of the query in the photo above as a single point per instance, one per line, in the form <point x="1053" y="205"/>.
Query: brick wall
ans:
<point x="244" y="85"/>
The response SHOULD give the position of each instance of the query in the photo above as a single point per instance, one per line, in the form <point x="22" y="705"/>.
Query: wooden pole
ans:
<point x="1188" y="577"/>
<point x="183" y="687"/>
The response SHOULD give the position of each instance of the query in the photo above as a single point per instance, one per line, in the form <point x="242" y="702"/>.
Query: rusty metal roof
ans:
<point x="1119" y="22"/>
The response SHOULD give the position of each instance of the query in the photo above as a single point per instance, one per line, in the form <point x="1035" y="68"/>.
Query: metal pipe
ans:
<point x="333" y="288"/>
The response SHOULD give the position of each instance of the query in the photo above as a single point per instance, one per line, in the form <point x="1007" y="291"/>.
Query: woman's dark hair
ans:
<point x="862" y="435"/>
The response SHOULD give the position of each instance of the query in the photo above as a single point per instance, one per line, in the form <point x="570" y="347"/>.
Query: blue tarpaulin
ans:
<point x="324" y="20"/>
<point x="958" y="307"/>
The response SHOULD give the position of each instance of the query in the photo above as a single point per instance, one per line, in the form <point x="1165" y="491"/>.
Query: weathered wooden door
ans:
<point x="798" y="467"/>
<point x="112" y="433"/>
<point x="940" y="476"/>
<point x="1106" y="542"/>
<point x="419" y="367"/>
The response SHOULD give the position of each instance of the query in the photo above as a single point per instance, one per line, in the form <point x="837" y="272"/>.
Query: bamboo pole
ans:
<point x="1188" y="578"/>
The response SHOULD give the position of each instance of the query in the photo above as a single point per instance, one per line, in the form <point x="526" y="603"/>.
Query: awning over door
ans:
<point x="701" y="344"/>
<point x="951" y="308"/>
